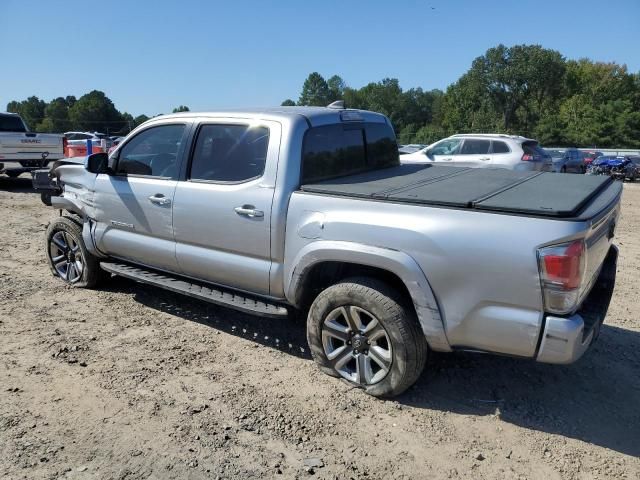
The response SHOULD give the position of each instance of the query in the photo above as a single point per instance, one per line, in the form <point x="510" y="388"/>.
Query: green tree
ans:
<point x="31" y="110"/>
<point x="288" y="103"/>
<point x="315" y="91"/>
<point x="56" y="116"/>
<point x="181" y="108"/>
<point x="336" y="87"/>
<point x="95" y="112"/>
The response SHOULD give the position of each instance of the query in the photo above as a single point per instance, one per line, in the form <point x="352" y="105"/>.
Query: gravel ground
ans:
<point x="131" y="382"/>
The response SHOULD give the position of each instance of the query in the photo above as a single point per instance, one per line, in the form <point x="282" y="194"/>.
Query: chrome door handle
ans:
<point x="249" y="211"/>
<point x="159" y="199"/>
<point x="486" y="159"/>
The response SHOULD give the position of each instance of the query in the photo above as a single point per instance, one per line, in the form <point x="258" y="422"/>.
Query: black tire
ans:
<point x="563" y="170"/>
<point x="91" y="274"/>
<point x="397" y="317"/>
<point x="45" y="197"/>
<point x="13" y="174"/>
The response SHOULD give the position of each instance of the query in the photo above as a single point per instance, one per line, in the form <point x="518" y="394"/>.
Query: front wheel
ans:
<point x="45" y="197"/>
<point x="363" y="331"/>
<point x="67" y="255"/>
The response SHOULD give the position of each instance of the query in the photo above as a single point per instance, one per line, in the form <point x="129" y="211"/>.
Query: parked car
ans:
<point x="23" y="151"/>
<point x="309" y="210"/>
<point x="482" y="150"/>
<point x="572" y="161"/>
<point x="627" y="167"/>
<point x="590" y="156"/>
<point x="632" y="171"/>
<point x="410" y="148"/>
<point x="80" y="138"/>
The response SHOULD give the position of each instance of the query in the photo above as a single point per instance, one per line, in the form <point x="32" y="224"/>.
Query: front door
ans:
<point x="445" y="150"/>
<point x="222" y="211"/>
<point x="134" y="221"/>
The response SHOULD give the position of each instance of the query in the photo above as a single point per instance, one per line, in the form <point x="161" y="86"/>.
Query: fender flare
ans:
<point x="394" y="261"/>
<point x="88" y="225"/>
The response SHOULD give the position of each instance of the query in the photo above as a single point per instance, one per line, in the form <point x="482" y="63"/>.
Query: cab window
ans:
<point x="229" y="153"/>
<point x="152" y="152"/>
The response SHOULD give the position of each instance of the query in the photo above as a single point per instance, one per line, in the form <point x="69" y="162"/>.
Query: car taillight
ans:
<point x="65" y="144"/>
<point x="562" y="269"/>
<point x="527" y="157"/>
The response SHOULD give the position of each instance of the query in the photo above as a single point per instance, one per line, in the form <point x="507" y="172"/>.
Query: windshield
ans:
<point x="11" y="123"/>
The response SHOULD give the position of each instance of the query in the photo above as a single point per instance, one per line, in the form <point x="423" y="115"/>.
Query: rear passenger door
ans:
<point x="474" y="153"/>
<point x="222" y="206"/>
<point x="501" y="155"/>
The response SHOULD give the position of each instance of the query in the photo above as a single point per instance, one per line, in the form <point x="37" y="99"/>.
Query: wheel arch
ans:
<point x="324" y="263"/>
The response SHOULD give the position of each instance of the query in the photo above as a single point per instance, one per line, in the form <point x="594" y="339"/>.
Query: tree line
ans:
<point x="525" y="89"/>
<point x="91" y="112"/>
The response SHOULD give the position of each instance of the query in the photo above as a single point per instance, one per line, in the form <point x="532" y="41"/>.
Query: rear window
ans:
<point x="530" y="148"/>
<point x="339" y="149"/>
<point x="11" y="123"/>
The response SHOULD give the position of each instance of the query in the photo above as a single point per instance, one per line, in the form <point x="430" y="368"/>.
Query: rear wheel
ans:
<point x="67" y="255"/>
<point x="13" y="174"/>
<point x="363" y="331"/>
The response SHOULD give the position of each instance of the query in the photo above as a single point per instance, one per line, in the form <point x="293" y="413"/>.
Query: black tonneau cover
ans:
<point x="493" y="189"/>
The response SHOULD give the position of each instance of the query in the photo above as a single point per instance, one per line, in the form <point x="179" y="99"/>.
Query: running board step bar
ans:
<point x="207" y="293"/>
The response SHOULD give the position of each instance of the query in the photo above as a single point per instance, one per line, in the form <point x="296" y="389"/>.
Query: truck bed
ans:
<point x="575" y="197"/>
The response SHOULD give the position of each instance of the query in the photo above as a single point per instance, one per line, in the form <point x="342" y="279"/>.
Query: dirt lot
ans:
<point x="132" y="382"/>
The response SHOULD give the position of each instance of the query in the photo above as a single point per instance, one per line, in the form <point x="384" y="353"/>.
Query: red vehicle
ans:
<point x="590" y="156"/>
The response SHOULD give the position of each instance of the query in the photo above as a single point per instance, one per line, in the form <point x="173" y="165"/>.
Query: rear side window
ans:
<point x="229" y="153"/>
<point x="11" y="123"/>
<point x="475" y="147"/>
<point x="500" y="147"/>
<point x="338" y="150"/>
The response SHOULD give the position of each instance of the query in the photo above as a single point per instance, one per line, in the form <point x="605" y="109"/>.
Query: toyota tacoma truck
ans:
<point x="308" y="210"/>
<point x="24" y="151"/>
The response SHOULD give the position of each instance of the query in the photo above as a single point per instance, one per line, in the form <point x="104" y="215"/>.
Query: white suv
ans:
<point x="482" y="150"/>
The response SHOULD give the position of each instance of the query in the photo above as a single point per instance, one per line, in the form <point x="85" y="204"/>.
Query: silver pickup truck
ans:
<point x="23" y="151"/>
<point x="309" y="210"/>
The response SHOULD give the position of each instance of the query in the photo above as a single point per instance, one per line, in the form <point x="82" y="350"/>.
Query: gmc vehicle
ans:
<point x="308" y="209"/>
<point x="21" y="150"/>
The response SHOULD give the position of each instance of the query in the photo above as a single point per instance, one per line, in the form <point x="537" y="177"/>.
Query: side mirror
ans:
<point x="97" y="163"/>
<point x="428" y="153"/>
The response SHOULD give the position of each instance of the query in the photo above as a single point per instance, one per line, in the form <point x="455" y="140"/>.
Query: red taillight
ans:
<point x="527" y="158"/>
<point x="65" y="144"/>
<point x="565" y="270"/>
<point x="562" y="270"/>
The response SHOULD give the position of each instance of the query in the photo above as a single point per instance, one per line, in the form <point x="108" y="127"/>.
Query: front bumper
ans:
<point x="565" y="339"/>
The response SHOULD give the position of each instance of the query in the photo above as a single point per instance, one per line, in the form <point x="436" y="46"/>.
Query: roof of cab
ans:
<point x="314" y="116"/>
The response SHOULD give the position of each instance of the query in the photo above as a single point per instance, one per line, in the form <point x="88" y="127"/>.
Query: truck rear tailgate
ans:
<point x="487" y="189"/>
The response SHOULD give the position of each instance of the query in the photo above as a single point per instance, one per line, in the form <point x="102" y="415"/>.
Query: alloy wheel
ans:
<point x="66" y="256"/>
<point x="357" y="345"/>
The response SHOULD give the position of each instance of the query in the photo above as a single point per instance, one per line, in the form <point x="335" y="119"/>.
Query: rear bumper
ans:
<point x="565" y="339"/>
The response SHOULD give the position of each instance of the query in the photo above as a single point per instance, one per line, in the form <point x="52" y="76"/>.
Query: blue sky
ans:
<point x="149" y="57"/>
